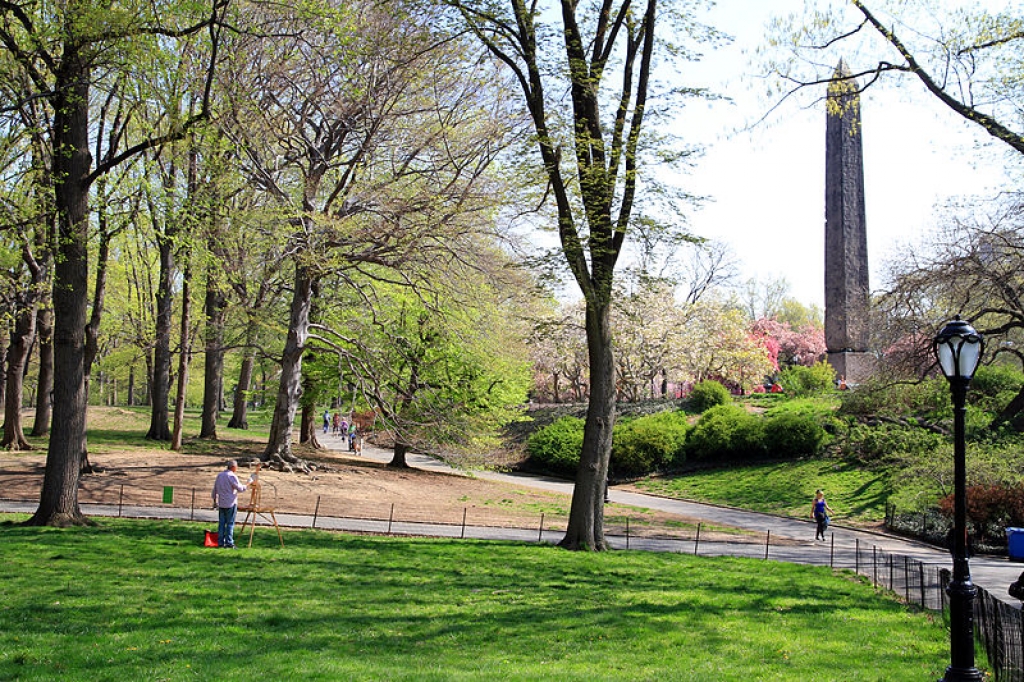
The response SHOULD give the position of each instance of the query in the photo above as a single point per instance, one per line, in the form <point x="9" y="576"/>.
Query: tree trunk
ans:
<point x="213" y="366"/>
<point x="585" y="528"/>
<point x="1011" y="412"/>
<point x="184" y="357"/>
<point x="148" y="397"/>
<point x="398" y="458"/>
<point x="131" y="386"/>
<point x="22" y="338"/>
<point x="44" y="389"/>
<point x="308" y="427"/>
<point x="239" y="413"/>
<point x="58" y="503"/>
<point x="5" y="336"/>
<point x="161" y="388"/>
<point x="290" y="387"/>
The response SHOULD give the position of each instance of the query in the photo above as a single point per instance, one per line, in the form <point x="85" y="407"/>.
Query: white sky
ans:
<point x="768" y="185"/>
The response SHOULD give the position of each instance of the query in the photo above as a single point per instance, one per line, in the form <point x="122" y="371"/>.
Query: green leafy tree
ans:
<point x="443" y="372"/>
<point x="66" y="53"/>
<point x="602" y="55"/>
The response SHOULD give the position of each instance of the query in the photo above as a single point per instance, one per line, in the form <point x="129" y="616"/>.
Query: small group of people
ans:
<point x="339" y="426"/>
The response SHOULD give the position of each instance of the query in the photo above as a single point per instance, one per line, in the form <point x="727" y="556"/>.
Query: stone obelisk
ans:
<point x="846" y="245"/>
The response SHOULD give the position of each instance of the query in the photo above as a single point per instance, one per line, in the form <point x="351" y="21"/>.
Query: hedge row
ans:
<point x="664" y="441"/>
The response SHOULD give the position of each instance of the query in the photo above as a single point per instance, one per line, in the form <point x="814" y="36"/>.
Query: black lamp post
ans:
<point x="958" y="347"/>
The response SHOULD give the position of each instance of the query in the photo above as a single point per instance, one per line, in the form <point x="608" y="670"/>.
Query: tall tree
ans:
<point x="65" y="51"/>
<point x="367" y="151"/>
<point x="605" y="56"/>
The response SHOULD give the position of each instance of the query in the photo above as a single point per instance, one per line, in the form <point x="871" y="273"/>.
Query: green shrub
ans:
<point x="726" y="432"/>
<point x="798" y="380"/>
<point x="647" y="444"/>
<point x="708" y="394"/>
<point x="557" y="446"/>
<point x="993" y="387"/>
<point x="991" y="380"/>
<point x="791" y="434"/>
<point x="884" y="443"/>
<point x="879" y="396"/>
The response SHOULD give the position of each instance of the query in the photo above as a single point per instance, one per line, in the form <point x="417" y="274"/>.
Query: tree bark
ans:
<point x="44" y="395"/>
<point x="308" y="426"/>
<point x="213" y="366"/>
<point x="22" y="338"/>
<point x="58" y="503"/>
<point x="290" y="386"/>
<point x="398" y="458"/>
<point x="585" y="529"/>
<point x="183" y="361"/>
<point x="240" y="411"/>
<point x="161" y="388"/>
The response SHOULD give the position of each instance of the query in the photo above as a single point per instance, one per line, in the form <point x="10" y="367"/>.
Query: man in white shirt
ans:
<point x="225" y="498"/>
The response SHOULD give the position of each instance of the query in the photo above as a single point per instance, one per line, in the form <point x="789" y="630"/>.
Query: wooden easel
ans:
<point x="255" y="508"/>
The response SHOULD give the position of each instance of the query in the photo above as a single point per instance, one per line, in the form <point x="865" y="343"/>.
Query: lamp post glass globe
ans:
<point x="958" y="348"/>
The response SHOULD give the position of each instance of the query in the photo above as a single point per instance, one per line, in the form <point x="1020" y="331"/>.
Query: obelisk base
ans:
<point x="855" y="366"/>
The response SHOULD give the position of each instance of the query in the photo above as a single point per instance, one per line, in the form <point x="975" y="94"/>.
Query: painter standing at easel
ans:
<point x="225" y="498"/>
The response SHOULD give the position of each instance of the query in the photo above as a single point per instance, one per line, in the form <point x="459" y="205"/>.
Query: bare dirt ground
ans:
<point x="343" y="485"/>
<point x="133" y="471"/>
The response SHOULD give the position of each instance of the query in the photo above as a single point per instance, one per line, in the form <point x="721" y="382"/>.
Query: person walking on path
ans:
<point x="820" y="511"/>
<point x="225" y="496"/>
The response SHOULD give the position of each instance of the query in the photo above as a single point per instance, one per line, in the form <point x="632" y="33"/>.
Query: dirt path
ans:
<point x="344" y="485"/>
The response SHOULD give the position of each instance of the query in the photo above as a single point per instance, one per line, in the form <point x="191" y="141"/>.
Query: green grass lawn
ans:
<point x="141" y="600"/>
<point x="785" y="488"/>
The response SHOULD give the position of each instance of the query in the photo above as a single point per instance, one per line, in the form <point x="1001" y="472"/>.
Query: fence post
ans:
<point x="391" y="517"/>
<point x="874" y="564"/>
<point x="540" y="531"/>
<point x="316" y="511"/>
<point x="696" y="542"/>
<point x="120" y="501"/>
<point x="920" y="571"/>
<point x="463" y="536"/>
<point x="906" y="577"/>
<point x="832" y="552"/>
<point x="856" y="556"/>
<point x="192" y="508"/>
<point x="892" y="579"/>
<point x="767" y="541"/>
<point x="627" y="532"/>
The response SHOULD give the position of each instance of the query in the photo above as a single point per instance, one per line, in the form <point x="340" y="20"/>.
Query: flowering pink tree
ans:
<point x="804" y="346"/>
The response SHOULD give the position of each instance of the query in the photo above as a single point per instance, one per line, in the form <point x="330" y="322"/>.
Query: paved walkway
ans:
<point x="993" y="573"/>
<point x="845" y="547"/>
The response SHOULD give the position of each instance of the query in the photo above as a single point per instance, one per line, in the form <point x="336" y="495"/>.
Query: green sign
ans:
<point x="168" y="494"/>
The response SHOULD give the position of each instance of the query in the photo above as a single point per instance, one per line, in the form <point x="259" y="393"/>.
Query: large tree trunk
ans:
<point x="240" y="411"/>
<point x="22" y="338"/>
<point x="290" y="387"/>
<point x="213" y="367"/>
<point x="183" y="361"/>
<point x="58" y="503"/>
<point x="44" y="397"/>
<point x="4" y="338"/>
<point x="308" y="425"/>
<point x="398" y="458"/>
<point x="161" y="390"/>
<point x="585" y="529"/>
